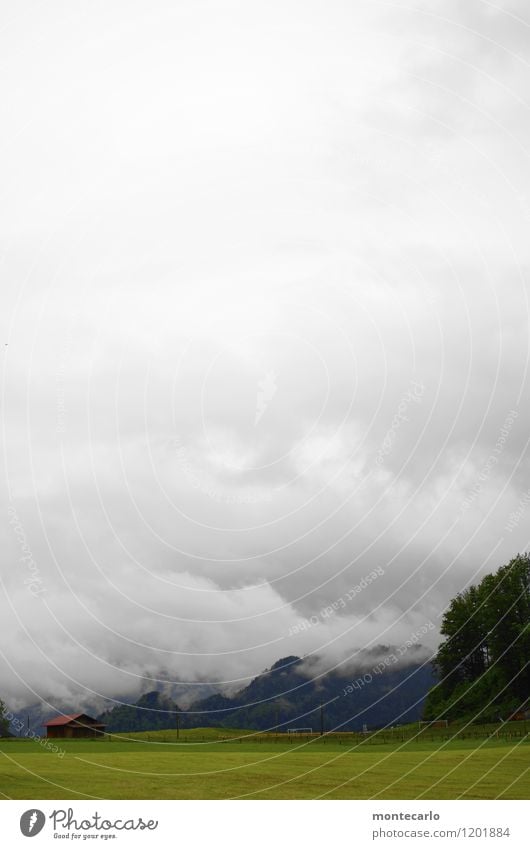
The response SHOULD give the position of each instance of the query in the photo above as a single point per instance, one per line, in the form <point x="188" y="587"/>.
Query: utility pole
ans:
<point x="177" y="715"/>
<point x="321" y="719"/>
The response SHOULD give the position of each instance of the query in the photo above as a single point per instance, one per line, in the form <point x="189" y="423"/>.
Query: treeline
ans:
<point x="483" y="665"/>
<point x="4" y="722"/>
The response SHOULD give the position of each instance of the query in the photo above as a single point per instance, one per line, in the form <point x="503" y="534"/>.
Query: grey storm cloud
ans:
<point x="265" y="332"/>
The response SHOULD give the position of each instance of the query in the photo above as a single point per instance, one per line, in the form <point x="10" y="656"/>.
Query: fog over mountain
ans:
<point x="265" y="333"/>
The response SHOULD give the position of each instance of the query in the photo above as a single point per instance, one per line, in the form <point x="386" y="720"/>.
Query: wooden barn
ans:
<point x="523" y="713"/>
<point x="75" y="725"/>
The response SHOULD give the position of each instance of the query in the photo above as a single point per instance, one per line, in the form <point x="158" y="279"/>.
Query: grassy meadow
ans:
<point x="226" y="764"/>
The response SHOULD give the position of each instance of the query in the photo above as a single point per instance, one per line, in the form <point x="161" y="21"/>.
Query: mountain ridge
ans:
<point x="381" y="694"/>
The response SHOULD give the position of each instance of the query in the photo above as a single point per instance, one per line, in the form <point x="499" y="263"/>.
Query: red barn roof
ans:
<point x="65" y="719"/>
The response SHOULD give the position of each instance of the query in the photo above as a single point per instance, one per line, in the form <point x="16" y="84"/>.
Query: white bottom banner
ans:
<point x="262" y="824"/>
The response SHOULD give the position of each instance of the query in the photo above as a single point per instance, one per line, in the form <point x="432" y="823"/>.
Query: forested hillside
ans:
<point x="288" y="695"/>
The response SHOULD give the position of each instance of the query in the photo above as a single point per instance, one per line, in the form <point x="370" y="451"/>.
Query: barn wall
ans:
<point x="73" y="731"/>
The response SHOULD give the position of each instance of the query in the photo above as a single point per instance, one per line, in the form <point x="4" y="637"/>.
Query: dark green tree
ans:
<point x="483" y="663"/>
<point x="4" y="723"/>
<point x="507" y="622"/>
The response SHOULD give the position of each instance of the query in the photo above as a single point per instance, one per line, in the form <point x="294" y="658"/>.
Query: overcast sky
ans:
<point x="264" y="315"/>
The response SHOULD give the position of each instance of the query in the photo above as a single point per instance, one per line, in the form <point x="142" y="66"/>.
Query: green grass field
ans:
<point x="222" y="764"/>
